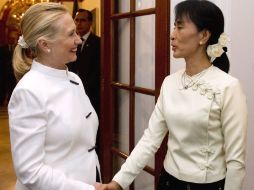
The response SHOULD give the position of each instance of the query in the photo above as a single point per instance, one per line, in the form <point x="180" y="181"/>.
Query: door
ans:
<point x="135" y="60"/>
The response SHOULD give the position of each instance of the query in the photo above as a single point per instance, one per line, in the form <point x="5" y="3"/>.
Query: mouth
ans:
<point x="74" y="50"/>
<point x="173" y="47"/>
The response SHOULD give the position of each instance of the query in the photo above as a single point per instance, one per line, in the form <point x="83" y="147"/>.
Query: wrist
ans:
<point x="116" y="185"/>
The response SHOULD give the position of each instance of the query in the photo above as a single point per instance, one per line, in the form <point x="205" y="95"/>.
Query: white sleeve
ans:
<point x="28" y="121"/>
<point x="145" y="149"/>
<point x="234" y="126"/>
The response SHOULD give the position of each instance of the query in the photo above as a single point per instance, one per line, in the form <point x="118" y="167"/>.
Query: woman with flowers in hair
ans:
<point x="202" y="108"/>
<point x="52" y="123"/>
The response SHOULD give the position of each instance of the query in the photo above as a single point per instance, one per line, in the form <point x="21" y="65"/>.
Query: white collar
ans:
<point x="49" y="70"/>
<point x="86" y="35"/>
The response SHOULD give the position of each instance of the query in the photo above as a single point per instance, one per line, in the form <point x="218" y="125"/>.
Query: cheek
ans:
<point x="189" y="41"/>
<point x="67" y="46"/>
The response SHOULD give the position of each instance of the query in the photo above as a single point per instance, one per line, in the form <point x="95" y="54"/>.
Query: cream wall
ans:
<point x="69" y="6"/>
<point x="2" y="2"/>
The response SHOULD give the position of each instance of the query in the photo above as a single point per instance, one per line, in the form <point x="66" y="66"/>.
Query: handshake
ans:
<point x="110" y="186"/>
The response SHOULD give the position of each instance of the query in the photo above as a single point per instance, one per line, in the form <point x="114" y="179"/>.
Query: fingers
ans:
<point x="99" y="186"/>
<point x="110" y="186"/>
<point x="114" y="186"/>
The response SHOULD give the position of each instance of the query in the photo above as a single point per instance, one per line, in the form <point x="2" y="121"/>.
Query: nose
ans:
<point x="172" y="35"/>
<point x="76" y="21"/>
<point x="78" y="39"/>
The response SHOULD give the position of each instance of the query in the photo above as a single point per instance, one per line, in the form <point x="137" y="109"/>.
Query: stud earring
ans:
<point x="48" y="50"/>
<point x="200" y="43"/>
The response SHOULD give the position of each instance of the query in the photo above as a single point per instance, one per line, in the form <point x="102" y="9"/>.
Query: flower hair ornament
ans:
<point x="22" y="42"/>
<point x="216" y="50"/>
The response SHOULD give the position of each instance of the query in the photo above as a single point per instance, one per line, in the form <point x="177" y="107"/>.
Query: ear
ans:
<point x="43" y="44"/>
<point x="204" y="36"/>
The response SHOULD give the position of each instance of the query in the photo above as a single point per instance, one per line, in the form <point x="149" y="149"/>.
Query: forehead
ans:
<point x="66" y="23"/>
<point x="183" y="20"/>
<point x="81" y="15"/>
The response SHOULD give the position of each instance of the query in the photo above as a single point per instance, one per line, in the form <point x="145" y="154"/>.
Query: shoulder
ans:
<point x="32" y="82"/>
<point x="74" y="76"/>
<point x="221" y="84"/>
<point x="29" y="91"/>
<point x="174" y="77"/>
<point x="94" y="37"/>
<point x="221" y="79"/>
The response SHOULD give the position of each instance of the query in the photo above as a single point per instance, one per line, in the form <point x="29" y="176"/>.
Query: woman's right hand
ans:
<point x="110" y="186"/>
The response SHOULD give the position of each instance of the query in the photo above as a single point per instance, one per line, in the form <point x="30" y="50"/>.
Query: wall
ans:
<point x="239" y="19"/>
<point x="242" y="57"/>
<point x="69" y="6"/>
<point x="2" y="2"/>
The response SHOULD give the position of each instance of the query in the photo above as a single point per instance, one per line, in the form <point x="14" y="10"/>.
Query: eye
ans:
<point x="72" y="33"/>
<point x="179" y="25"/>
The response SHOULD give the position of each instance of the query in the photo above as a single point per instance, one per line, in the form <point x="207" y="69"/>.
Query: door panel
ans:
<point x="144" y="105"/>
<point x="121" y="128"/>
<point x="122" y="46"/>
<point x="135" y="60"/>
<point x="121" y="6"/>
<point x="144" y="4"/>
<point x="145" y="51"/>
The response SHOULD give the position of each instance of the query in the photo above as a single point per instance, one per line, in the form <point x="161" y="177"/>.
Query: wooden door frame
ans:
<point x="162" y="59"/>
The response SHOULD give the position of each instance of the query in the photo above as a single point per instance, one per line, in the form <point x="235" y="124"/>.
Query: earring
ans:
<point x="200" y="43"/>
<point x="48" y="50"/>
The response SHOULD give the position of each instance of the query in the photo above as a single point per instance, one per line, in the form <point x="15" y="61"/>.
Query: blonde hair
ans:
<point x="38" y="21"/>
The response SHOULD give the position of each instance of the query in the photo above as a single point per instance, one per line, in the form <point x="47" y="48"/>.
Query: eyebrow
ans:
<point x="80" y="19"/>
<point x="71" y="30"/>
<point x="178" y="22"/>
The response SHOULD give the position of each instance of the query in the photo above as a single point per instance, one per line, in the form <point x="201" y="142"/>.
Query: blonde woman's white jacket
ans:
<point x="52" y="127"/>
<point x="207" y="126"/>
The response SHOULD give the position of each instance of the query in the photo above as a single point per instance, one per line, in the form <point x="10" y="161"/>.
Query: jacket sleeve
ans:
<point x="145" y="149"/>
<point x="234" y="126"/>
<point x="28" y="122"/>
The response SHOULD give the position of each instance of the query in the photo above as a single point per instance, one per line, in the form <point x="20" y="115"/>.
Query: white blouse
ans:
<point x="207" y="125"/>
<point x="53" y="126"/>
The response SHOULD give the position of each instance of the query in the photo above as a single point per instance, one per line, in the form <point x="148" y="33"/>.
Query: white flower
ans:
<point x="223" y="40"/>
<point x="22" y="42"/>
<point x="214" y="51"/>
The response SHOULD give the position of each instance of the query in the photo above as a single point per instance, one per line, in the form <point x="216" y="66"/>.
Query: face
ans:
<point x="13" y="37"/>
<point x="82" y="23"/>
<point x="185" y="38"/>
<point x="64" y="48"/>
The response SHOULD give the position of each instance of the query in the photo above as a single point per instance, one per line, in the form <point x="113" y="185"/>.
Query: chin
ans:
<point x="74" y="58"/>
<point x="176" y="56"/>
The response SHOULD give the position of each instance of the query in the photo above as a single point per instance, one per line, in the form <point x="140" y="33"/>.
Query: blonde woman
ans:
<point x="53" y="125"/>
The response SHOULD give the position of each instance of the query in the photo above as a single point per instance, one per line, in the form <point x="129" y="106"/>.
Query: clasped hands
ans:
<point x="110" y="186"/>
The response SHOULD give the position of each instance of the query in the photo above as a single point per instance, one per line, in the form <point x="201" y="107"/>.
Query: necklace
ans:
<point x="189" y="81"/>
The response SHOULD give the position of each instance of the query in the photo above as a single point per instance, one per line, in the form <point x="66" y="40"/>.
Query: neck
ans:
<point x="196" y="65"/>
<point x="48" y="62"/>
<point x="82" y="34"/>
